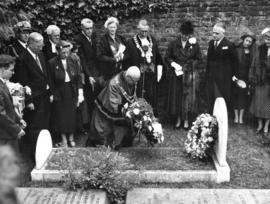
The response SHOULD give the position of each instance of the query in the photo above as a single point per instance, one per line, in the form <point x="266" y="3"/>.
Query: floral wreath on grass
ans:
<point x="143" y="121"/>
<point x="202" y="136"/>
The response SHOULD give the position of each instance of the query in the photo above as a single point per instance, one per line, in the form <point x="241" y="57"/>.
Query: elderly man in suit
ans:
<point x="87" y="52"/>
<point x="49" y="48"/>
<point x="11" y="126"/>
<point x="221" y="66"/>
<point x="33" y="72"/>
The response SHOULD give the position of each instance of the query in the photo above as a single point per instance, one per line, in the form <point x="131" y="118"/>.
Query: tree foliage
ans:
<point x="68" y="13"/>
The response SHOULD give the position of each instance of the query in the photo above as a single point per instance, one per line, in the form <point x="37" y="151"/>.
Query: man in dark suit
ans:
<point x="33" y="72"/>
<point x="87" y="52"/>
<point x="22" y="30"/>
<point x="10" y="123"/>
<point x="221" y="66"/>
<point x="49" y="48"/>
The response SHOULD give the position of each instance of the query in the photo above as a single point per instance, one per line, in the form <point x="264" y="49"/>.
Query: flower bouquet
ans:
<point x="18" y="92"/>
<point x="202" y="136"/>
<point x="143" y="120"/>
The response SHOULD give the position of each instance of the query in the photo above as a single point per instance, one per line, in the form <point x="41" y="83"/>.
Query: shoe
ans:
<point x="177" y="125"/>
<point x="72" y="143"/>
<point x="235" y="121"/>
<point x="186" y="125"/>
<point x="258" y="131"/>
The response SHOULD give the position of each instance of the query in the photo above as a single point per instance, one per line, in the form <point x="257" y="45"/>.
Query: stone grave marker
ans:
<point x="197" y="196"/>
<point x="43" y="148"/>
<point x="59" y="196"/>
<point x="220" y="111"/>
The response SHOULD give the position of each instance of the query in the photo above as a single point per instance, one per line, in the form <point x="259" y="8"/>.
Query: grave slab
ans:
<point x="197" y="196"/>
<point x="58" y="196"/>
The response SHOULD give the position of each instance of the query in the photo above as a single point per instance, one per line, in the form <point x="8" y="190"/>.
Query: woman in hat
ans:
<point x="111" y="50"/>
<point x="67" y="91"/>
<point x="246" y="51"/>
<point x="181" y="57"/>
<point x="260" y="75"/>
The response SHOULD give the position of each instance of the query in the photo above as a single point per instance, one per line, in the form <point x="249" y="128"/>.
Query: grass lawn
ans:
<point x="248" y="159"/>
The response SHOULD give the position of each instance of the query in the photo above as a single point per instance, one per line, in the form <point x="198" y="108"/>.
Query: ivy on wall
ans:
<point x="68" y="13"/>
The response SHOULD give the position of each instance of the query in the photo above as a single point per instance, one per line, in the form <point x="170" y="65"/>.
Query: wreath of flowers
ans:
<point x="202" y="136"/>
<point x="146" y="51"/>
<point x="143" y="120"/>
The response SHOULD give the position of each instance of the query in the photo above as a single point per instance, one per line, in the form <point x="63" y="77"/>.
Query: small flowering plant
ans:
<point x="144" y="122"/>
<point x="202" y="136"/>
<point x="18" y="92"/>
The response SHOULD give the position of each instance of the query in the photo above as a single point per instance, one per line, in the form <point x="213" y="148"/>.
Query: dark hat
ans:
<point x="246" y="32"/>
<point x="6" y="60"/>
<point x="23" y="26"/>
<point x="186" y="28"/>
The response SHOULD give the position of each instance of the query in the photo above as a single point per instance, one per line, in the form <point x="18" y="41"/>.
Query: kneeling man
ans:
<point x="108" y="126"/>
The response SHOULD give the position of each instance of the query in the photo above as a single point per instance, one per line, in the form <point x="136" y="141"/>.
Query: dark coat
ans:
<point x="30" y="74"/>
<point x="58" y="75"/>
<point x="47" y="50"/>
<point x="147" y="86"/>
<point x="221" y="66"/>
<point x="9" y="120"/>
<point x="106" y="59"/>
<point x="182" y="90"/>
<point x="16" y="49"/>
<point x="87" y="52"/>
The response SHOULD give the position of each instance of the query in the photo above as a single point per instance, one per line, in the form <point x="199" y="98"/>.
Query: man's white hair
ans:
<point x="51" y="29"/>
<point x="34" y="37"/>
<point x="86" y="21"/>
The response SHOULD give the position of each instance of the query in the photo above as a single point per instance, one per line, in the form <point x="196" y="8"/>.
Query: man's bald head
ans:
<point x="133" y="74"/>
<point x="35" y="42"/>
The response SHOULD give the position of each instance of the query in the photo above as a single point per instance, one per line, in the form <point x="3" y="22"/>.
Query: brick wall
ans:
<point x="203" y="14"/>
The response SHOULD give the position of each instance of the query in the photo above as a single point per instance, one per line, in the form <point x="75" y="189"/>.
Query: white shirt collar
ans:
<point x="89" y="39"/>
<point x="53" y="46"/>
<point x="3" y="80"/>
<point x="22" y="43"/>
<point x="33" y="54"/>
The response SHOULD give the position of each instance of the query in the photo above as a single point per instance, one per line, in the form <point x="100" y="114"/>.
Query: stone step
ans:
<point x="58" y="195"/>
<point x="197" y="196"/>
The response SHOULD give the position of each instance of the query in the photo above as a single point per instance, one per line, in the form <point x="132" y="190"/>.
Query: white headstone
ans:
<point x="43" y="148"/>
<point x="220" y="111"/>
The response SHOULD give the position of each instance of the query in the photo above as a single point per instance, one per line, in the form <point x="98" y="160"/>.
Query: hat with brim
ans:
<point x="186" y="28"/>
<point x="266" y="32"/>
<point x="249" y="34"/>
<point x="23" y="26"/>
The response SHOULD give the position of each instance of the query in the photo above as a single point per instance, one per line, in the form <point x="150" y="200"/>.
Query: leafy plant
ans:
<point x="68" y="13"/>
<point x="103" y="174"/>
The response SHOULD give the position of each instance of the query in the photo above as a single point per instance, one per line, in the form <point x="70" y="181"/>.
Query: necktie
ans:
<point x="38" y="62"/>
<point x="216" y="44"/>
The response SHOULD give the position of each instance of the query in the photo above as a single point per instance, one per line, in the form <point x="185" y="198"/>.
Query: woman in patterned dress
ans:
<point x="260" y="73"/>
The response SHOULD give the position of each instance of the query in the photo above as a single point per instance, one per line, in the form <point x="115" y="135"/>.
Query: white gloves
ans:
<point x="177" y="68"/>
<point x="241" y="83"/>
<point x="80" y="97"/>
<point x="159" y="72"/>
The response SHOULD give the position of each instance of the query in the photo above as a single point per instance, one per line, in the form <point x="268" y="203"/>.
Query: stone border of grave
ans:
<point x="134" y="176"/>
<point x="220" y="174"/>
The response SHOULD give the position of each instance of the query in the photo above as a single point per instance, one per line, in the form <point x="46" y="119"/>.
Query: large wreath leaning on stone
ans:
<point x="202" y="136"/>
<point x="143" y="120"/>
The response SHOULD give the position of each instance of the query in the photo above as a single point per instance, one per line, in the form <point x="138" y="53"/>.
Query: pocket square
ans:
<point x="225" y="48"/>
